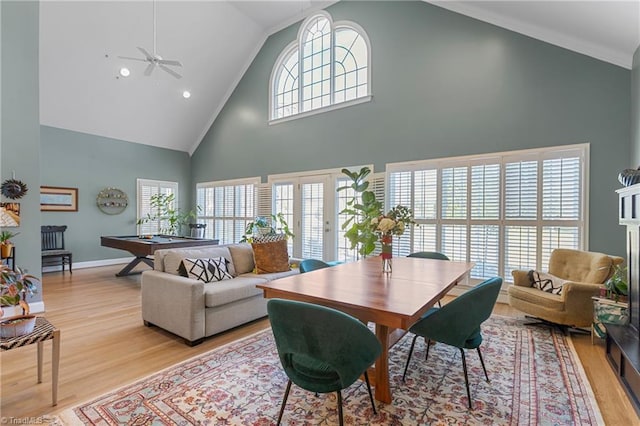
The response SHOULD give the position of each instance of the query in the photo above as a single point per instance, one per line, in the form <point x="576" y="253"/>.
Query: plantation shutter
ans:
<point x="145" y="190"/>
<point x="521" y="205"/>
<point x="484" y="234"/>
<point x="561" y="201"/>
<point x="227" y="207"/>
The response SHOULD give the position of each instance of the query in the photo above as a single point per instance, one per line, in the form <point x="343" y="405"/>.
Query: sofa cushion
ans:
<point x="223" y="292"/>
<point x="206" y="270"/>
<point x="271" y="276"/>
<point x="271" y="256"/>
<point x="242" y="255"/>
<point x="173" y="258"/>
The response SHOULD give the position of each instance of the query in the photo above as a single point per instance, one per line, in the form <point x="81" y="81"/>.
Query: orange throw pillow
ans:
<point x="271" y="256"/>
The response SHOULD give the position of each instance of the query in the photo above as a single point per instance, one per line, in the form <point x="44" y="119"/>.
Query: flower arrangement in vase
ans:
<point x="15" y="286"/>
<point x="386" y="226"/>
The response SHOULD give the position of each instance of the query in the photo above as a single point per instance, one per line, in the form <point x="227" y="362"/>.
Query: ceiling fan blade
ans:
<point x="169" y="62"/>
<point x="146" y="54"/>
<point x="170" y="71"/>
<point x="133" y="59"/>
<point x="149" y="69"/>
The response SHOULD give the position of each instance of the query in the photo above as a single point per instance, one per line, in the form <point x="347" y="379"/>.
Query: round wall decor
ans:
<point x="14" y="189"/>
<point x="112" y="201"/>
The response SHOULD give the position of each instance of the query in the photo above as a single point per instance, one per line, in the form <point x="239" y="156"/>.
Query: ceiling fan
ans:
<point x="154" y="60"/>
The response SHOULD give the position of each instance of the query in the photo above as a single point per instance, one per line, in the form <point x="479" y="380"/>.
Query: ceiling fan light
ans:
<point x="125" y="72"/>
<point x="186" y="94"/>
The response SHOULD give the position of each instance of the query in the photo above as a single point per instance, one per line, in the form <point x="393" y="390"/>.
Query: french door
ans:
<point x="308" y="205"/>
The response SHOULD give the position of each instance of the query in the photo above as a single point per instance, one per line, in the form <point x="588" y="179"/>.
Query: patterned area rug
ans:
<point x="535" y="374"/>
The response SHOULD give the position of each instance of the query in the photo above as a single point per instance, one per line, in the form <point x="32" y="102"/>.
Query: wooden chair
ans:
<point x="53" y="250"/>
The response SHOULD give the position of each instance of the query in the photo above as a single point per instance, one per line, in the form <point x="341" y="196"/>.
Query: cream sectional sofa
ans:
<point x="194" y="309"/>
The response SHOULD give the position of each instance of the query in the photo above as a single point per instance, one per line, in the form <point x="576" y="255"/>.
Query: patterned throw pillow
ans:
<point x="546" y="282"/>
<point x="206" y="270"/>
<point x="271" y="256"/>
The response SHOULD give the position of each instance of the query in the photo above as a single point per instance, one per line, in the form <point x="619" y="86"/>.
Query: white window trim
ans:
<point x="297" y="44"/>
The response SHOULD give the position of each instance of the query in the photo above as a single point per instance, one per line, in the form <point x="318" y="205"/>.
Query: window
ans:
<point x="329" y="64"/>
<point x="146" y="189"/>
<point x="502" y="211"/>
<point x="227" y="207"/>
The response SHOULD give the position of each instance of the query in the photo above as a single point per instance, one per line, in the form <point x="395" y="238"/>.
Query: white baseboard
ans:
<point x="90" y="264"/>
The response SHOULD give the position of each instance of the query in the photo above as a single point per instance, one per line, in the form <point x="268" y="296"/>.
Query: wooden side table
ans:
<point x="42" y="331"/>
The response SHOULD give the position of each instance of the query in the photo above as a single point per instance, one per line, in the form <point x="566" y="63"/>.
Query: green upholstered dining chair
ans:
<point x="429" y="255"/>
<point x="458" y="323"/>
<point x="308" y="265"/>
<point x="321" y="349"/>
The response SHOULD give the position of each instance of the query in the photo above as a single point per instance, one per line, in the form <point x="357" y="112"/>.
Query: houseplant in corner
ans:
<point x="5" y="243"/>
<point x="163" y="208"/>
<point x="616" y="286"/>
<point x="15" y="286"/>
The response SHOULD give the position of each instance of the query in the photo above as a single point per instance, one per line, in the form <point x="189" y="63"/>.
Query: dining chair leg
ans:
<point x="413" y="343"/>
<point x="428" y="342"/>
<point x="366" y="379"/>
<point x="482" y="362"/>
<point x="466" y="377"/>
<point x="340" y="420"/>
<point x="284" y="401"/>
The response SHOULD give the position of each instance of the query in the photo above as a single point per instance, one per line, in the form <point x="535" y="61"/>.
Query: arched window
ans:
<point x="333" y="61"/>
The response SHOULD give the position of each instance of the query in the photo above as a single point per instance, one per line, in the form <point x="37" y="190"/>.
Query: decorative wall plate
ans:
<point x="14" y="189"/>
<point x="112" y="201"/>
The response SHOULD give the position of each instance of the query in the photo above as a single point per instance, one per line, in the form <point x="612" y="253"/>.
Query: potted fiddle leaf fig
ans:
<point x="15" y="286"/>
<point x="361" y="210"/>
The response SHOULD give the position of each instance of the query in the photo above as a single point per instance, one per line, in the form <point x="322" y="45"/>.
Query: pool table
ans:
<point x="143" y="247"/>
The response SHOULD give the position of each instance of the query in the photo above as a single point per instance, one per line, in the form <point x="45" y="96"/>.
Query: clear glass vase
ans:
<point x="387" y="253"/>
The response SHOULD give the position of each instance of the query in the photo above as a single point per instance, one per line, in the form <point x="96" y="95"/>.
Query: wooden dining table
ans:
<point x="392" y="301"/>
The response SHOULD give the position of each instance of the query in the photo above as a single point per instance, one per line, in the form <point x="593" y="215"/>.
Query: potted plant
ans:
<point x="5" y="243"/>
<point x="163" y="208"/>
<point x="616" y="286"/>
<point x="261" y="226"/>
<point x="15" y="286"/>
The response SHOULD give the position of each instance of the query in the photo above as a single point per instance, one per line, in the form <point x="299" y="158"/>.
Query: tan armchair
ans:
<point x="586" y="272"/>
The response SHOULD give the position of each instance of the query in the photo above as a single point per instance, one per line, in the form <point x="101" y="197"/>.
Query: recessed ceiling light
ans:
<point x="186" y="94"/>
<point x="124" y="72"/>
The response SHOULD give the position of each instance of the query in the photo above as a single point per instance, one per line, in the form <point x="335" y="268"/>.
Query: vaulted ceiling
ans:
<point x="216" y="40"/>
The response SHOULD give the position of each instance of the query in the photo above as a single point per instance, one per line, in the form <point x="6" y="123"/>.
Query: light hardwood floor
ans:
<point x="104" y="346"/>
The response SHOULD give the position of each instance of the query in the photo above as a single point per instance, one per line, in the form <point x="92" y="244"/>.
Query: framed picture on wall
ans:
<point x="9" y="215"/>
<point x="58" y="199"/>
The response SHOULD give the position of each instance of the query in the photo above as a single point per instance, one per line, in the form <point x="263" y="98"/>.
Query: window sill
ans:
<point x="333" y="107"/>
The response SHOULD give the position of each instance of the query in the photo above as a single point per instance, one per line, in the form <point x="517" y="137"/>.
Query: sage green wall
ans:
<point x="635" y="110"/>
<point x="20" y="134"/>
<point x="443" y="85"/>
<point x="91" y="163"/>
